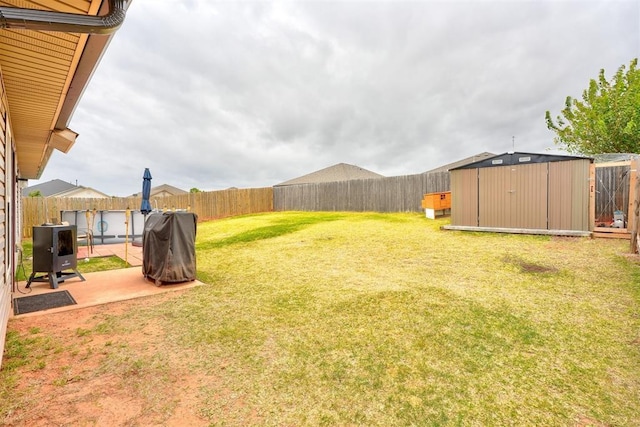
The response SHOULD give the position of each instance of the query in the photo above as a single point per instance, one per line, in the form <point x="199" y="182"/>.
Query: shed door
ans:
<point x="513" y="196"/>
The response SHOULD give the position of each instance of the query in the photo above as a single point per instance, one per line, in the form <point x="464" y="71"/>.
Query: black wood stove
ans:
<point x="55" y="249"/>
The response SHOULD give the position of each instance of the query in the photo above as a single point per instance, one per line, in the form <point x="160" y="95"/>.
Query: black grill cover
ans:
<point x="168" y="247"/>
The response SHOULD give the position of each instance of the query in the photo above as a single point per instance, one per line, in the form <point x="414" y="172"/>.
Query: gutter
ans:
<point x="45" y="20"/>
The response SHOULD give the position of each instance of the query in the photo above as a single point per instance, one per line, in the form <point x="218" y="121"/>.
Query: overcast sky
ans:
<point x="214" y="95"/>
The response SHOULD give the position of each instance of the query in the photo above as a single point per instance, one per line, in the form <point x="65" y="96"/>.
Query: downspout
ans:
<point x="44" y="20"/>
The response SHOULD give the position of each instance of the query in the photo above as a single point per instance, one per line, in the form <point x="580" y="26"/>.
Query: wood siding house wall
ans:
<point x="43" y="74"/>
<point x="8" y="212"/>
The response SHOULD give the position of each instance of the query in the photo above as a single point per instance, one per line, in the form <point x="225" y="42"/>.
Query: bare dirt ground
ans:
<point x="73" y="383"/>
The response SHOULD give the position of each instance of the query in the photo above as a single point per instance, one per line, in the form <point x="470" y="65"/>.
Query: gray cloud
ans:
<point x="249" y="94"/>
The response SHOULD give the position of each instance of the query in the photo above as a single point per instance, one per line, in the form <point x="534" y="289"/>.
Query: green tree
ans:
<point x="35" y="193"/>
<point x="195" y="190"/>
<point x="606" y="120"/>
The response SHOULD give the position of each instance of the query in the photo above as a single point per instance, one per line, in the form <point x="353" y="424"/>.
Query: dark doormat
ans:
<point x="40" y="302"/>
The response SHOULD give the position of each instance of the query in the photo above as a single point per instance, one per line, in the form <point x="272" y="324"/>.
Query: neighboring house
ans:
<point x="60" y="188"/>
<point x="163" y="191"/>
<point x="463" y="162"/>
<point x="339" y="172"/>
<point x="46" y="60"/>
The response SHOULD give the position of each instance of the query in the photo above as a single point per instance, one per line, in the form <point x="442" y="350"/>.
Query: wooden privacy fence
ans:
<point x="393" y="194"/>
<point x="207" y="205"/>
<point x="617" y="198"/>
<point x="612" y="191"/>
<point x="618" y="185"/>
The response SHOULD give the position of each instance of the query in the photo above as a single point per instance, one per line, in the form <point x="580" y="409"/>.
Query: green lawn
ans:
<point x="384" y="319"/>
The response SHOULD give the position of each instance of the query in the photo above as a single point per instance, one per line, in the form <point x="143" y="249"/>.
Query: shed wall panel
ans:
<point x="559" y="196"/>
<point x="529" y="196"/>
<point x="494" y="199"/>
<point x="569" y="195"/>
<point x="580" y="196"/>
<point x="464" y="197"/>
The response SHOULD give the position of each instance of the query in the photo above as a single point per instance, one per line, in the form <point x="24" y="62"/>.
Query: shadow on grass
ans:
<point x="278" y="228"/>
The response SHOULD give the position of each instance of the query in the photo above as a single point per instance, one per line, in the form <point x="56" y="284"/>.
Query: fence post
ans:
<point x="634" y="194"/>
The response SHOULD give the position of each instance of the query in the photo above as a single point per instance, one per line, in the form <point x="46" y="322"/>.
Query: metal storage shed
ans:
<point x="523" y="193"/>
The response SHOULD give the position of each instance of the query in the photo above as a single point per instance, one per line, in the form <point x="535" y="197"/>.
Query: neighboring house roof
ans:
<point x="49" y="188"/>
<point x="457" y="164"/>
<point x="46" y="67"/>
<point x="339" y="172"/>
<point x="60" y="188"/>
<point x="163" y="190"/>
<point x="83" y="193"/>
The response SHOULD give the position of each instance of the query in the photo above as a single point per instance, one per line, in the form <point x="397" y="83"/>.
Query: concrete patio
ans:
<point x="105" y="286"/>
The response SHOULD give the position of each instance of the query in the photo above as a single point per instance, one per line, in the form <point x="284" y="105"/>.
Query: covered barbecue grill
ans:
<point x="168" y="247"/>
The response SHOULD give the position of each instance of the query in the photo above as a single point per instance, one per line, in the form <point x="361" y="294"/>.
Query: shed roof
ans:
<point x="338" y="172"/>
<point x="519" y="158"/>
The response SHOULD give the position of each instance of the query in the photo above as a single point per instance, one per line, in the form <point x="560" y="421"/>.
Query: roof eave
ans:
<point x="87" y="64"/>
<point x="60" y="137"/>
<point x="91" y="55"/>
